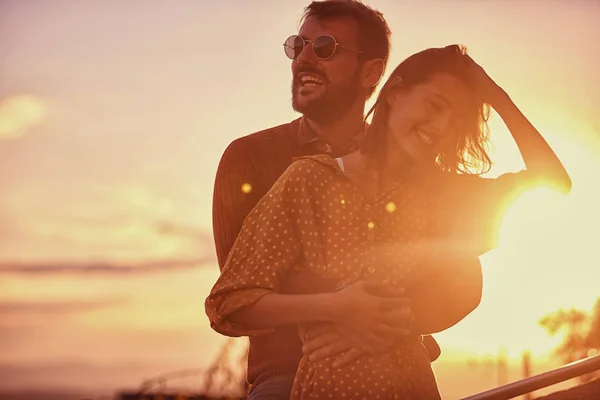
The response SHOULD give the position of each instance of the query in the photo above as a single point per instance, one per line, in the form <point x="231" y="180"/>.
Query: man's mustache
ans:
<point x="309" y="70"/>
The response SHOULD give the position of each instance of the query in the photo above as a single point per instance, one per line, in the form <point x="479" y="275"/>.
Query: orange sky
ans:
<point x="113" y="116"/>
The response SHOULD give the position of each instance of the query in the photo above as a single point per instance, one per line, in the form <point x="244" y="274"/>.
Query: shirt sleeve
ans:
<point x="237" y="190"/>
<point x="267" y="247"/>
<point x="473" y="207"/>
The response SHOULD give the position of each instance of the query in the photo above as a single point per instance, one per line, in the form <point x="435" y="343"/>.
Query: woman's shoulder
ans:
<point x="311" y="165"/>
<point x="309" y="169"/>
<point x="315" y="161"/>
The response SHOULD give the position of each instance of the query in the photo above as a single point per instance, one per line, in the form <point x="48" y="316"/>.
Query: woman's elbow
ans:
<point x="560" y="179"/>
<point x="473" y="298"/>
<point x="230" y="317"/>
<point x="566" y="184"/>
<point x="561" y="184"/>
<point x="219" y="321"/>
<point x="224" y="324"/>
<point x="469" y="291"/>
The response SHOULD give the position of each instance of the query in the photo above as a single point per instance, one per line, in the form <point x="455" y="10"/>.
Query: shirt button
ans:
<point x="367" y="207"/>
<point x="371" y="269"/>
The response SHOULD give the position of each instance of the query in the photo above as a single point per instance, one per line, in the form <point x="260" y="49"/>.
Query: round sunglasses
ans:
<point x="324" y="46"/>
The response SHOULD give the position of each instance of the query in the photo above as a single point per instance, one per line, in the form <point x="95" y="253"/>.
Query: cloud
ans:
<point x="103" y="268"/>
<point x="19" y="113"/>
<point x="184" y="231"/>
<point x="56" y="306"/>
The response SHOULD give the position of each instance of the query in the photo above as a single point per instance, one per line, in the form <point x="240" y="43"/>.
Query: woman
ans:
<point x="384" y="213"/>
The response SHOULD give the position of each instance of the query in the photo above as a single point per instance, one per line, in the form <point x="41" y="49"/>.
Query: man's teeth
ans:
<point x="311" y="80"/>
<point x="424" y="137"/>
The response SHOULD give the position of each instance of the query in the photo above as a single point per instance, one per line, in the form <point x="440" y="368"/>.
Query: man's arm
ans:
<point x="237" y="190"/>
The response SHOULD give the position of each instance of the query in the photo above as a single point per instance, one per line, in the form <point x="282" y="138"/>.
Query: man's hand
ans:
<point x="328" y="340"/>
<point x="369" y="318"/>
<point x="323" y="341"/>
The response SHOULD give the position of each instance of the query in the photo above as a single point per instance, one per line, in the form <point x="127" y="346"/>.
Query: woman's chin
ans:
<point x="415" y="153"/>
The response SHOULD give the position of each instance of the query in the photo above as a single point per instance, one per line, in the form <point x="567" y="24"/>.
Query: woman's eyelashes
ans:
<point x="435" y="105"/>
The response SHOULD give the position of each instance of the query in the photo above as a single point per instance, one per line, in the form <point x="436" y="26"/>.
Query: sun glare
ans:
<point x="546" y="257"/>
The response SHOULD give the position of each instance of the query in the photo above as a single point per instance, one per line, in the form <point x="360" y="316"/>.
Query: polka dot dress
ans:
<point x="315" y="218"/>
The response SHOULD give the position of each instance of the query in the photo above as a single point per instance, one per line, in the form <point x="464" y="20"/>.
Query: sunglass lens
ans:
<point x="293" y="46"/>
<point x="324" y="46"/>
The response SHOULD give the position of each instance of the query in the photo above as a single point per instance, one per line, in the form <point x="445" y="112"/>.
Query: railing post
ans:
<point x="527" y="372"/>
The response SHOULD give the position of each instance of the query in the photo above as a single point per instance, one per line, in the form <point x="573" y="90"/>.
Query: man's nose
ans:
<point x="307" y="55"/>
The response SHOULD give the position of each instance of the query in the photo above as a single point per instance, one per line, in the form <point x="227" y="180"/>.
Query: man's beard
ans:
<point x="333" y="104"/>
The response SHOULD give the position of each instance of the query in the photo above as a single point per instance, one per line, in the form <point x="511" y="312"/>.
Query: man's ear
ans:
<point x="372" y="73"/>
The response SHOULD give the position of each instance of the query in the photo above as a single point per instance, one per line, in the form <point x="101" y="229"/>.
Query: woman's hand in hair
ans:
<point x="488" y="90"/>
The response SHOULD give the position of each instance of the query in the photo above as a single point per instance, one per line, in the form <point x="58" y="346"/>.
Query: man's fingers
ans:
<point x="347" y="358"/>
<point x="384" y="332"/>
<point x="330" y="350"/>
<point x="317" y="342"/>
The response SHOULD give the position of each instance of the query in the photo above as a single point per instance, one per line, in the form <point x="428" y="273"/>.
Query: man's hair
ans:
<point x="373" y="31"/>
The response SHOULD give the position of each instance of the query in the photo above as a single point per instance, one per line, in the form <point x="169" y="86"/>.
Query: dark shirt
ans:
<point x="248" y="169"/>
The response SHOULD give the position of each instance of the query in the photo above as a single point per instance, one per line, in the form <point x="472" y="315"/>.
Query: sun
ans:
<point x="547" y="256"/>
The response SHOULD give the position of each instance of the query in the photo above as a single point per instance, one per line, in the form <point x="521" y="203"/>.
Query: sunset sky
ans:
<point x="114" y="115"/>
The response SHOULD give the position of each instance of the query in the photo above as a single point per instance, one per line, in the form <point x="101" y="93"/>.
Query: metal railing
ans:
<point x="536" y="382"/>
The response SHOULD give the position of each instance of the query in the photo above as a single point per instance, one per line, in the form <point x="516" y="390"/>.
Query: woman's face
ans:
<point x="426" y="118"/>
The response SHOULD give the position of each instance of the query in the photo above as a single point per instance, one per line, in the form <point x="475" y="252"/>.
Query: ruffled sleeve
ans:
<point x="267" y="247"/>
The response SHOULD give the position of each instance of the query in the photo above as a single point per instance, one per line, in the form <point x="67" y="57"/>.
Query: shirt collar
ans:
<point x="307" y="135"/>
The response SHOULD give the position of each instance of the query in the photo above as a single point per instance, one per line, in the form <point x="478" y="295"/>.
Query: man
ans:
<point x="338" y="58"/>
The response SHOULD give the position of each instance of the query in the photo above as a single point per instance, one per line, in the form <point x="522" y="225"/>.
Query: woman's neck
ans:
<point x="374" y="178"/>
<point x="397" y="163"/>
<point x="359" y="171"/>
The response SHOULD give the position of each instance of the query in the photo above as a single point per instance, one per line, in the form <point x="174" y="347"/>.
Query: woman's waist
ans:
<point x="408" y="346"/>
<point x="400" y="360"/>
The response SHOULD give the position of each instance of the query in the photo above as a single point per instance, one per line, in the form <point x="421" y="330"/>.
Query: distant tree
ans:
<point x="581" y="333"/>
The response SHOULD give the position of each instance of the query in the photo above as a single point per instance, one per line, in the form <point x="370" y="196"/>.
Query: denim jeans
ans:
<point x="275" y="388"/>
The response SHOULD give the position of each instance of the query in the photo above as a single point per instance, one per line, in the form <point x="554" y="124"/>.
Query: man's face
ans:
<point x="324" y="90"/>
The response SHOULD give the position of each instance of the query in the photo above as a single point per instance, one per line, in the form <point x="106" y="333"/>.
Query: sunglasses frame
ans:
<point x="305" y="41"/>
